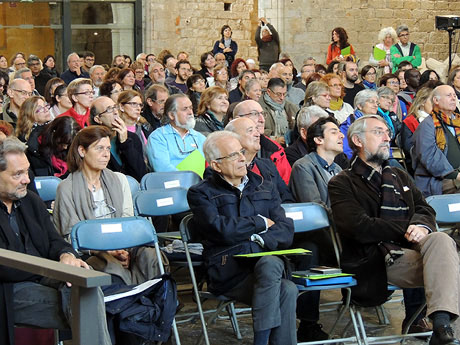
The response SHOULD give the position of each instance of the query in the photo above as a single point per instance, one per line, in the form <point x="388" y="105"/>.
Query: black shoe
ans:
<point x="311" y="332"/>
<point x="444" y="335"/>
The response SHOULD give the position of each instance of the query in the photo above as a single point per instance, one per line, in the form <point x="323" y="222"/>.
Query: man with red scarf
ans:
<point x="436" y="151"/>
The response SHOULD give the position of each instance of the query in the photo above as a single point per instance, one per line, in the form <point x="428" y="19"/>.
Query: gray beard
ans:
<point x="190" y="124"/>
<point x="378" y="158"/>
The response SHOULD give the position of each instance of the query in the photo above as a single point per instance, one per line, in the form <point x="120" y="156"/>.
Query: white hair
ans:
<point x="389" y="31"/>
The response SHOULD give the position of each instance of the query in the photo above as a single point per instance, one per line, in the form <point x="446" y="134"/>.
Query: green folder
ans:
<point x="379" y="54"/>
<point x="193" y="162"/>
<point x="346" y="51"/>
<point x="296" y="251"/>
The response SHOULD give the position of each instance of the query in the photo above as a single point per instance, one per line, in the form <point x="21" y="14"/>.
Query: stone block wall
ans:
<point x="304" y="25"/>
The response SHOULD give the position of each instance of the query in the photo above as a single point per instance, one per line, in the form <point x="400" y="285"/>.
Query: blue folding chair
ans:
<point x="160" y="202"/>
<point x="447" y="209"/>
<point x="47" y="187"/>
<point x="117" y="233"/>
<point x="311" y="216"/>
<point x="170" y="179"/>
<point x="134" y="186"/>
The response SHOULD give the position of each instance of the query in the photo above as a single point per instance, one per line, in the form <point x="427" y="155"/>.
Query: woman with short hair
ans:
<point x="338" y="107"/>
<point x="252" y="90"/>
<point x="196" y="84"/>
<point x="387" y="37"/>
<point x="81" y="94"/>
<point x="211" y="110"/>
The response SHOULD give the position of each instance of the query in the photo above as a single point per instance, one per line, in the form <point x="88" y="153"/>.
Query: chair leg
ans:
<point x="232" y="314"/>
<point x="361" y="326"/>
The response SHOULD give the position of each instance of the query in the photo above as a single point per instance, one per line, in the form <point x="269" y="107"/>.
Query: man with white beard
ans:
<point x="97" y="73"/>
<point x="170" y="144"/>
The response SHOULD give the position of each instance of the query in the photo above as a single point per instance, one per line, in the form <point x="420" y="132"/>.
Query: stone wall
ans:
<point x="304" y="25"/>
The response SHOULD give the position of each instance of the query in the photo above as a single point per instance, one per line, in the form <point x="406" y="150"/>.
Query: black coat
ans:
<point x="356" y="209"/>
<point x="225" y="219"/>
<point x="50" y="245"/>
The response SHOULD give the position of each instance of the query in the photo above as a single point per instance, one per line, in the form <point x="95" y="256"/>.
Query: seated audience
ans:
<point x="50" y="87"/>
<point x="220" y="74"/>
<point x="74" y="70"/>
<point x="454" y="80"/>
<point x="127" y="80"/>
<point x="18" y="91"/>
<point x="34" y="114"/>
<point x="207" y="66"/>
<point x="183" y="71"/>
<point x="125" y="146"/>
<point x="238" y="212"/>
<point x="412" y="78"/>
<point x="81" y="94"/>
<point x="340" y="109"/>
<point x="386" y="99"/>
<point x="158" y="76"/>
<point x="369" y="76"/>
<point x="388" y="231"/>
<point x="26" y="228"/>
<point x="176" y="140"/>
<point x="305" y="72"/>
<point x="428" y="75"/>
<point x="110" y="88"/>
<point x="236" y="68"/>
<point x="253" y="90"/>
<point x="392" y="81"/>
<point x="237" y="93"/>
<point x="196" y="84"/>
<point x="211" y="110"/>
<point x="294" y="94"/>
<point x="348" y="70"/>
<point x="92" y="191"/>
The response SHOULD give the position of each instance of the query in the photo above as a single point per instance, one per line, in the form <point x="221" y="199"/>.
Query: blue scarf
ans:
<point x="368" y="85"/>
<point x="386" y="117"/>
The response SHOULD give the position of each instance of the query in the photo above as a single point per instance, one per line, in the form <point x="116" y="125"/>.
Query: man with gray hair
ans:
<point x="405" y="50"/>
<point x="388" y="231"/>
<point x="96" y="74"/>
<point x="236" y="95"/>
<point x="26" y="74"/>
<point x="236" y="211"/>
<point x="26" y="227"/>
<point x="172" y="143"/>
<point x="158" y="76"/>
<point x="18" y="91"/>
<point x="436" y="150"/>
<point x="74" y="71"/>
<point x="39" y="75"/>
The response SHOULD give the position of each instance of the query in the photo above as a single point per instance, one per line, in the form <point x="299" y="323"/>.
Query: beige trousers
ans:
<point x="434" y="264"/>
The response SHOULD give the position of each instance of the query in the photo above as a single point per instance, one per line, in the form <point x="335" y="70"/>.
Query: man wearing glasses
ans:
<point x="155" y="99"/>
<point x="18" y="91"/>
<point x="388" y="231"/>
<point x="405" y="50"/>
<point x="170" y="144"/>
<point x="125" y="147"/>
<point x="238" y="212"/>
<point x="158" y="76"/>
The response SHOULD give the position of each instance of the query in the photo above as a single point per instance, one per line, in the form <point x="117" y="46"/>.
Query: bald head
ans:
<point x="18" y="91"/>
<point x="252" y="110"/>
<point x="102" y="111"/>
<point x="444" y="99"/>
<point x="249" y="136"/>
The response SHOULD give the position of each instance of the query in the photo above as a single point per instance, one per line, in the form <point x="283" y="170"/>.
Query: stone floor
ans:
<point x="221" y="332"/>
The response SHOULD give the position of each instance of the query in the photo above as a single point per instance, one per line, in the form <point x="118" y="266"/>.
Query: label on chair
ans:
<point x="165" y="202"/>
<point x="454" y="207"/>
<point x="295" y="215"/>
<point x="38" y="185"/>
<point x="172" y="184"/>
<point x="108" y="228"/>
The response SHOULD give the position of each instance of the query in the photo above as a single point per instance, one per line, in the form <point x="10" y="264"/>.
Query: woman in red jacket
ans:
<point x="339" y="42"/>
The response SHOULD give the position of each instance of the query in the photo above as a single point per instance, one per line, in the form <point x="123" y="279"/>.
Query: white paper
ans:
<point x="454" y="207"/>
<point x="172" y="184"/>
<point x="138" y="289"/>
<point x="108" y="228"/>
<point x="165" y="202"/>
<point x="38" y="184"/>
<point x="295" y="215"/>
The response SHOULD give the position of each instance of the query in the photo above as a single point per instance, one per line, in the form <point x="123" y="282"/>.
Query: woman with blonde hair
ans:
<point x="33" y="115"/>
<point x="387" y="37"/>
<point x="220" y="74"/>
<point x="211" y="110"/>
<point x="317" y="93"/>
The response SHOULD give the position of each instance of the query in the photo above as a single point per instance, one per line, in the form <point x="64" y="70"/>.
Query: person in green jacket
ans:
<point x="405" y="50"/>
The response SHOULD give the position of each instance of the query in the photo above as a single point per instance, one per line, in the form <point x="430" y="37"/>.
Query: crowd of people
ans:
<point x="259" y="137"/>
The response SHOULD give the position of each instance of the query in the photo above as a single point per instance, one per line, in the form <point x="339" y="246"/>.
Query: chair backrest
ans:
<point x="447" y="208"/>
<point x="47" y="187"/>
<point x="308" y="216"/>
<point x="170" y="179"/>
<point x="134" y="186"/>
<point x="160" y="202"/>
<point x="112" y="233"/>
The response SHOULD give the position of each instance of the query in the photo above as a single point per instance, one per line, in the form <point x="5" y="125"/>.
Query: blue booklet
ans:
<point x="307" y="278"/>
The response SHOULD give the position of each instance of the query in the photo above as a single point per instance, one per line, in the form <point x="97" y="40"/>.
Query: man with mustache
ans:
<point x="388" y="231"/>
<point x="170" y="144"/>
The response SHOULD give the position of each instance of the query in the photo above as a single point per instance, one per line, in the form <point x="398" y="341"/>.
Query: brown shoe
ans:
<point x="421" y="326"/>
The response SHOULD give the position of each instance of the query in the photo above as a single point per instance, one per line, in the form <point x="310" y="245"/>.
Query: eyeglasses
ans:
<point x="35" y="64"/>
<point x="254" y="113"/>
<point x="159" y="102"/>
<point x="233" y="156"/>
<point x="403" y="35"/>
<point x="372" y="101"/>
<point x="24" y="92"/>
<point x="109" y="110"/>
<point x="199" y="81"/>
<point x="89" y="59"/>
<point x="135" y="104"/>
<point x="221" y="72"/>
<point x="380" y="132"/>
<point x="86" y="93"/>
<point x="106" y="212"/>
<point x="388" y="98"/>
<point x="20" y="64"/>
<point x="394" y="83"/>
<point x="186" y="152"/>
<point x="278" y="94"/>
<point x="43" y="109"/>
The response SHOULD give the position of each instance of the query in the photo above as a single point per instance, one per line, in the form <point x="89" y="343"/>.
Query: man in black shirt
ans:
<point x="349" y="72"/>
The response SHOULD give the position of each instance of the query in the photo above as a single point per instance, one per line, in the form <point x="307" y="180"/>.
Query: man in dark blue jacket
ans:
<point x="238" y="212"/>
